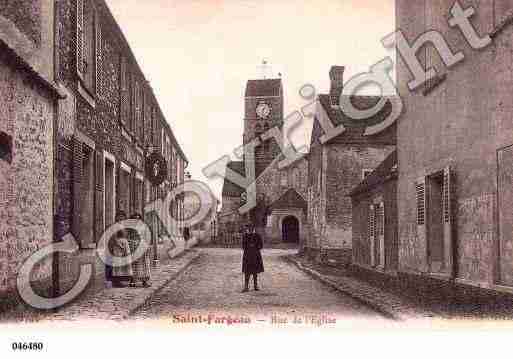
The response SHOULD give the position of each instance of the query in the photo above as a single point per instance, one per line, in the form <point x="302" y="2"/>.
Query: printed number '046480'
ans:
<point x="27" y="346"/>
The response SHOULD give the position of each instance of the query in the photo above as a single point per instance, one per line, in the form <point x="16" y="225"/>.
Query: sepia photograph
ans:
<point x="187" y="177"/>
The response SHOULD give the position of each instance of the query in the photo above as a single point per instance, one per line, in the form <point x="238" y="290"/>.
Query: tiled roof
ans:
<point x="290" y="199"/>
<point x="230" y="189"/>
<point x="259" y="88"/>
<point x="385" y="171"/>
<point x="355" y="129"/>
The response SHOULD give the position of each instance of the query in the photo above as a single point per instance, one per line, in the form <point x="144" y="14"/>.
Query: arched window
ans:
<point x="297" y="177"/>
<point x="284" y="179"/>
<point x="258" y="129"/>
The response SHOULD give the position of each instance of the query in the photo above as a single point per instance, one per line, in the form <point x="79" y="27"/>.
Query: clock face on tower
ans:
<point x="263" y="110"/>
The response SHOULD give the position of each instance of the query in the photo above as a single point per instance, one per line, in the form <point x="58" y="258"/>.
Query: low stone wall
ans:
<point x="444" y="296"/>
<point x="330" y="256"/>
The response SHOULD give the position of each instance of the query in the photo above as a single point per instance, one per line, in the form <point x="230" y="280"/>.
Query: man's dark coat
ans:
<point x="252" y="258"/>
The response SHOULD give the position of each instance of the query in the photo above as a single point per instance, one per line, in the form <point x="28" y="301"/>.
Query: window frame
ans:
<point x="86" y="89"/>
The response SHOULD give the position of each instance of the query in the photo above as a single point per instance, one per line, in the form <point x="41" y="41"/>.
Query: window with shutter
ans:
<point x="139" y="111"/>
<point x="433" y="230"/>
<point x="380" y="228"/>
<point x="124" y="85"/>
<point x="162" y="142"/>
<point x="77" y="186"/>
<point x="133" y="99"/>
<point x="99" y="58"/>
<point x="80" y="37"/>
<point x="86" y="45"/>
<point x="129" y="96"/>
<point x="87" y="197"/>
<point x="372" y="235"/>
<point x="135" y="104"/>
<point x="145" y="116"/>
<point x="380" y="233"/>
<point x="153" y="125"/>
<point x="421" y="203"/>
<point x="448" y="220"/>
<point x="98" y="203"/>
<point x="89" y="72"/>
<point x="84" y="190"/>
<point x="447" y="196"/>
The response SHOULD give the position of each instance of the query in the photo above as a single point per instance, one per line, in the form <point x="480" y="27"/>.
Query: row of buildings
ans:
<point x="77" y="121"/>
<point x="424" y="204"/>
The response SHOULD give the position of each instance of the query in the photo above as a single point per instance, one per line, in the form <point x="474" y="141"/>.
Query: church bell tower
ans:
<point x="263" y="111"/>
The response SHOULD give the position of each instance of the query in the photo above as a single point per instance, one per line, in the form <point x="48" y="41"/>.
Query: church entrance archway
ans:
<point x="290" y="230"/>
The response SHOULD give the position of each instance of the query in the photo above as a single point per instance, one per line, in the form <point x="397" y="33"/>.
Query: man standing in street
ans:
<point x="252" y="263"/>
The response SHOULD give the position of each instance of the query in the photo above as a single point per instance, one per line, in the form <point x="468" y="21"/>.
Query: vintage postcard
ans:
<point x="180" y="167"/>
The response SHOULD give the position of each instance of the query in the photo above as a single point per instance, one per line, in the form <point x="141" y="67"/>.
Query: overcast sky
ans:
<point x="198" y="55"/>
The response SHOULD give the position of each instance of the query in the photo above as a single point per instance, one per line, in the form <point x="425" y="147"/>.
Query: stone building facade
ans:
<point x="337" y="166"/>
<point x="374" y="204"/>
<point x="108" y="124"/>
<point x="286" y="190"/>
<point x="454" y="151"/>
<point x="281" y="190"/>
<point x="28" y="102"/>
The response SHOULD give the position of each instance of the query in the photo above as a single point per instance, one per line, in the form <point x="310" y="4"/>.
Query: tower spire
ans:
<point x="265" y="69"/>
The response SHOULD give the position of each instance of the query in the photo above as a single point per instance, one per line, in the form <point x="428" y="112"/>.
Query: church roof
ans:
<point x="261" y="88"/>
<point x="230" y="189"/>
<point x="385" y="171"/>
<point x="290" y="199"/>
<point x="355" y="129"/>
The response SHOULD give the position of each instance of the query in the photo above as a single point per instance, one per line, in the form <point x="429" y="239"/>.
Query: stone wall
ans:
<point x="462" y="123"/>
<point x="316" y="194"/>
<point x="26" y="196"/>
<point x="336" y="169"/>
<point x="344" y="171"/>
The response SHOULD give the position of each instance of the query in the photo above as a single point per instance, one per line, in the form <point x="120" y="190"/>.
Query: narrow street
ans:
<point x="213" y="285"/>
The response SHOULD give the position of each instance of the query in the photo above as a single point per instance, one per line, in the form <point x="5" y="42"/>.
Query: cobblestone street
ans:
<point x="212" y="285"/>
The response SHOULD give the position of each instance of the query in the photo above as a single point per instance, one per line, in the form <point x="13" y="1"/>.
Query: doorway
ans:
<point x="435" y="229"/>
<point x="290" y="230"/>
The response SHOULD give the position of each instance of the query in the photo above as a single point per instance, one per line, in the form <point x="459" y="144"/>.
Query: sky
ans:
<point x="198" y="55"/>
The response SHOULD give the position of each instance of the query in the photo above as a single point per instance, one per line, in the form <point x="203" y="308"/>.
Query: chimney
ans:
<point x="337" y="84"/>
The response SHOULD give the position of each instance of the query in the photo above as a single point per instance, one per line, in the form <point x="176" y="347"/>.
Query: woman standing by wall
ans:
<point x="119" y="247"/>
<point x="141" y="267"/>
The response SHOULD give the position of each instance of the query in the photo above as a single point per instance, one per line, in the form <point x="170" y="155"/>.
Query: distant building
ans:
<point x="337" y="166"/>
<point x="281" y="191"/>
<point x="206" y="230"/>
